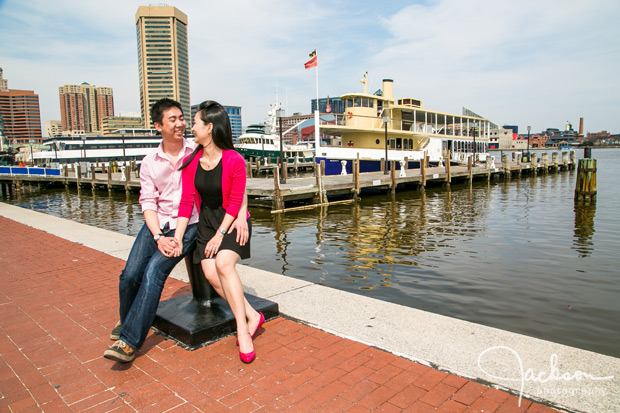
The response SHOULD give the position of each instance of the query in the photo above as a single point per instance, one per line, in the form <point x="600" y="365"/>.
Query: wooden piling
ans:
<point x="544" y="160"/>
<point x="585" y="188"/>
<point x="565" y="160"/>
<point x="470" y="176"/>
<point x="277" y="204"/>
<point x="554" y="161"/>
<point x="423" y="171"/>
<point x="318" y="199"/>
<point x="448" y="175"/>
<point x="393" y="176"/>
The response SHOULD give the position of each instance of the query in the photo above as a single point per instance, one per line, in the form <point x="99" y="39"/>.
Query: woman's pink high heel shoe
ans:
<point x="257" y="332"/>
<point x="247" y="357"/>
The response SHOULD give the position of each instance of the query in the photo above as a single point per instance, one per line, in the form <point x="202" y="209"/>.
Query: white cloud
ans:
<point x="528" y="62"/>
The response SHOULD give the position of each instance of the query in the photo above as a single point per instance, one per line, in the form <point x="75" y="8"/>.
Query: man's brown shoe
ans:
<point x="121" y="352"/>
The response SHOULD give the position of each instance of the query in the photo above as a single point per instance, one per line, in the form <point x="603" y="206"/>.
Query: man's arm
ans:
<point x="165" y="245"/>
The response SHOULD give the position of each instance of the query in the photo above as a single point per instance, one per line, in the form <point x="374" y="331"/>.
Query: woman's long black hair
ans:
<point x="212" y="112"/>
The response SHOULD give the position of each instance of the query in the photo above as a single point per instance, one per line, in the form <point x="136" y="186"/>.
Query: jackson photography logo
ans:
<point x="554" y="374"/>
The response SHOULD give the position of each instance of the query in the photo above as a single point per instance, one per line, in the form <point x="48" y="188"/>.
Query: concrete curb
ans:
<point x="562" y="376"/>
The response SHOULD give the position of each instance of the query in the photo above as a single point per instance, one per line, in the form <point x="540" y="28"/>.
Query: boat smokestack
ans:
<point x="388" y="89"/>
<point x="580" y="126"/>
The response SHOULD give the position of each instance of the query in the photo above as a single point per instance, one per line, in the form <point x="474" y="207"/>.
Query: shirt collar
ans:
<point x="188" y="147"/>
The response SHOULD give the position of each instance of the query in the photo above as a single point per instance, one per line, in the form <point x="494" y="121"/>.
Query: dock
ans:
<point x="280" y="194"/>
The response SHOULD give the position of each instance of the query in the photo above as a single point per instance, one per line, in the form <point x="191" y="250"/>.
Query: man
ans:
<point x="151" y="258"/>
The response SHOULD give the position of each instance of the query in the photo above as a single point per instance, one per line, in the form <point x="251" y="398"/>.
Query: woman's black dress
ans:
<point x="209" y="187"/>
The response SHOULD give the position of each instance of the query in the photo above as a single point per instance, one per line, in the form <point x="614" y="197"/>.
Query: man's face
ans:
<point x="172" y="125"/>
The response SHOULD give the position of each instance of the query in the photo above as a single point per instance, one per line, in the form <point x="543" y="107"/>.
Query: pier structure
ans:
<point x="310" y="191"/>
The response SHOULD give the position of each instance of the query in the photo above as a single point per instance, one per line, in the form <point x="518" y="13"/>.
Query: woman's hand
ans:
<point x="178" y="250"/>
<point x="241" y="225"/>
<point x="166" y="246"/>
<point x="213" y="245"/>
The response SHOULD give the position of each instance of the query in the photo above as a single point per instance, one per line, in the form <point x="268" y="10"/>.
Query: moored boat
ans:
<point x="260" y="142"/>
<point x="411" y="130"/>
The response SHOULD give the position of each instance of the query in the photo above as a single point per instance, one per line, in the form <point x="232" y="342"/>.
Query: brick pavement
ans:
<point x="59" y="300"/>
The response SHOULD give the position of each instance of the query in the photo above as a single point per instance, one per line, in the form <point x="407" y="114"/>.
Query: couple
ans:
<point x="191" y="196"/>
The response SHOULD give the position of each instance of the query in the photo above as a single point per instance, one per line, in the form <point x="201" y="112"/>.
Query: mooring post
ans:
<point x="565" y="160"/>
<point x="125" y="171"/>
<point x="276" y="186"/>
<point x="323" y="190"/>
<point x="544" y="160"/>
<point x="423" y="171"/>
<point x="573" y="160"/>
<point x="92" y="176"/>
<point x="585" y="187"/>
<point x="317" y="175"/>
<point x="78" y="175"/>
<point x="448" y="174"/>
<point x="393" y="176"/>
<point x="554" y="161"/>
<point x="505" y="166"/>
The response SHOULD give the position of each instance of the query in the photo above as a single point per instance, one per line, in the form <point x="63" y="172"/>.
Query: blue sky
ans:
<point x="532" y="62"/>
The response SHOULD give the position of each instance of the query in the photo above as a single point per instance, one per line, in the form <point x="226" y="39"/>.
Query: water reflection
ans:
<point x="584" y="228"/>
<point x="506" y="253"/>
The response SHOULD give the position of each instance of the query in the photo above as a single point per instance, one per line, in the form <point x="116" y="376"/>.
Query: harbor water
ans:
<point x="516" y="254"/>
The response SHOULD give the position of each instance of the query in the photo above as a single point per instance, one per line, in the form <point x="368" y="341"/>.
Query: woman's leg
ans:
<point x="208" y="267"/>
<point x="225" y="264"/>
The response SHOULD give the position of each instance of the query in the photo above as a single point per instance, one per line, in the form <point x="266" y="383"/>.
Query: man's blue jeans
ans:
<point x="142" y="281"/>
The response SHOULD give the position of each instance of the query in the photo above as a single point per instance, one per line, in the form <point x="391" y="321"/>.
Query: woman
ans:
<point x="214" y="178"/>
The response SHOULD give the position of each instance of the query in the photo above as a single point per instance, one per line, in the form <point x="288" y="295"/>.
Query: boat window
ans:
<point x="410" y="143"/>
<point x="357" y="102"/>
<point x="406" y="144"/>
<point x="349" y="103"/>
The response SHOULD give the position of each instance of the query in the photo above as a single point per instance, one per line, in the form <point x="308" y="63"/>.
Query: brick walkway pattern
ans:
<point x="59" y="301"/>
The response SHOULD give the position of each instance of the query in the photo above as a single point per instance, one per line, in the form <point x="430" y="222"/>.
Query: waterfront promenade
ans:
<point x="331" y="351"/>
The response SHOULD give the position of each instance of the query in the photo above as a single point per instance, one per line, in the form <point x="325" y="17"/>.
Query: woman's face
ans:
<point x="202" y="133"/>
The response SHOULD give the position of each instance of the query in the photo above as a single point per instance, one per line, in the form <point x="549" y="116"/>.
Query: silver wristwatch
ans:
<point x="222" y="231"/>
<point x="156" y="237"/>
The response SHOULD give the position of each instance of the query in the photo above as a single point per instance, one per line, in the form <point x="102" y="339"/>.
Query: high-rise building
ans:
<point x="20" y="114"/>
<point x="162" y="58"/>
<point x="3" y="82"/>
<point x="234" y="114"/>
<point x="53" y="128"/>
<point x="83" y="107"/>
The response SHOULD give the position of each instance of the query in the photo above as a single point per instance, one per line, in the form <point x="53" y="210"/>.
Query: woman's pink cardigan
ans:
<point x="233" y="184"/>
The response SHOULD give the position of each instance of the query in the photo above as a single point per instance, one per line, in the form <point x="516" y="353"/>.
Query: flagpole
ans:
<point x="317" y="135"/>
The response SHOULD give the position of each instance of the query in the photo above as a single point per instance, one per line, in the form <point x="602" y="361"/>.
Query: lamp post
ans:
<point x="124" y="158"/>
<point x="474" y="159"/>
<point x="279" y="114"/>
<point x="529" y="159"/>
<point x="386" y="120"/>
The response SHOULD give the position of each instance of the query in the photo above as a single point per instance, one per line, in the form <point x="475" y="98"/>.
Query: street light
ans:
<point x="386" y="120"/>
<point x="279" y="114"/>
<point x="124" y="157"/>
<point x="529" y="159"/>
<point x="474" y="160"/>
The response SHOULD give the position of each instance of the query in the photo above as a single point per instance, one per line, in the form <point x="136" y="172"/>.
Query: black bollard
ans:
<point x="202" y="316"/>
<point x="202" y="291"/>
<point x="587" y="152"/>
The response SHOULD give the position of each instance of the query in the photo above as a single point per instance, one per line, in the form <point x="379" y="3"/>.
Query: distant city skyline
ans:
<point x="541" y="64"/>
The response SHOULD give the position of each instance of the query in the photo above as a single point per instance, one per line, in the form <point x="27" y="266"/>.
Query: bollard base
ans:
<point x="193" y="324"/>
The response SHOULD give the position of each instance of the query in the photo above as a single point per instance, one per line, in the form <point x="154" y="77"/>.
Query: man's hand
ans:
<point x="166" y="245"/>
<point x="241" y="225"/>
